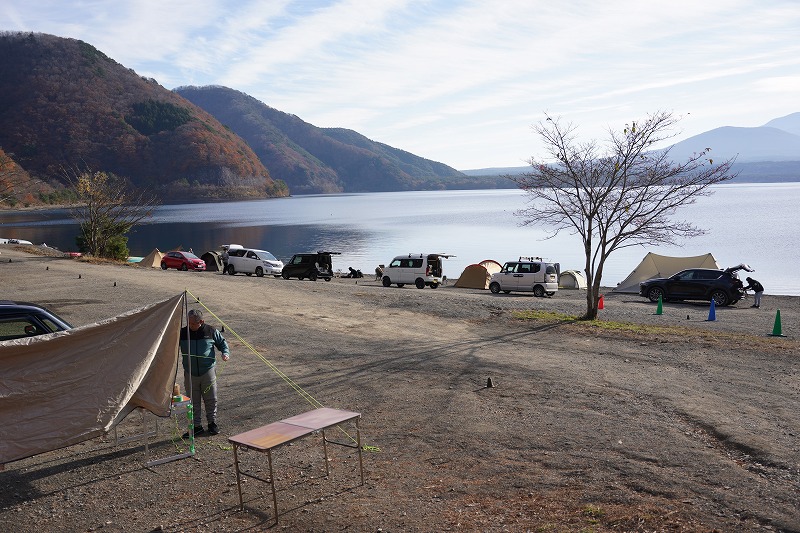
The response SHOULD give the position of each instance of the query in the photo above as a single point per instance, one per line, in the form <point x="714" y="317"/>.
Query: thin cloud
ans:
<point x="459" y="82"/>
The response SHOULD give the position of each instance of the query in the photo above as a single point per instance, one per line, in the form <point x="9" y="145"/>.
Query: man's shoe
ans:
<point x="213" y="429"/>
<point x="198" y="430"/>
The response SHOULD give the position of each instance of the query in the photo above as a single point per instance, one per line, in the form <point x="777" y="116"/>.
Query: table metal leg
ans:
<point x="272" y="482"/>
<point x="360" y="460"/>
<point x="325" y="450"/>
<point x="238" y="476"/>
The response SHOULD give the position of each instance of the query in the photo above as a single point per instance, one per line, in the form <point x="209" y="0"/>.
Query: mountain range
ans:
<point x="64" y="105"/>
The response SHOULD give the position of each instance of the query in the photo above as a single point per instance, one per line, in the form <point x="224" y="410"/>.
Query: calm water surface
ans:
<point x="751" y="223"/>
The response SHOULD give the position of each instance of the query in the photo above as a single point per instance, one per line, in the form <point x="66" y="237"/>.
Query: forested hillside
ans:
<point x="324" y="160"/>
<point x="65" y="104"/>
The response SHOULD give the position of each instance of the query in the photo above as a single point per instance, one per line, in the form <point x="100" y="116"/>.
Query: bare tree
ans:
<point x="108" y="208"/>
<point x="615" y="196"/>
<point x="13" y="180"/>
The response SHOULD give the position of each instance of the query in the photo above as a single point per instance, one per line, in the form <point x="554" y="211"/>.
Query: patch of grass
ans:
<point x="550" y="316"/>
<point x="593" y="511"/>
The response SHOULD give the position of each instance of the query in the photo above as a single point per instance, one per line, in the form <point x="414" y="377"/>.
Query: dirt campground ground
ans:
<point x="670" y="423"/>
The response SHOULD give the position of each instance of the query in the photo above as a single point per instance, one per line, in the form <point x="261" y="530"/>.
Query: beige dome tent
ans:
<point x="477" y="276"/>
<point x="571" y="279"/>
<point x="153" y="259"/>
<point x="662" y="266"/>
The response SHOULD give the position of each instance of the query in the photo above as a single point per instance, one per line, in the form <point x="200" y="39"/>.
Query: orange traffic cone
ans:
<point x="600" y="303"/>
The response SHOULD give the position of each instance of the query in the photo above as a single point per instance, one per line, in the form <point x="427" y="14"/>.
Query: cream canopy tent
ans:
<point x="662" y="266"/>
<point x="68" y="387"/>
<point x="153" y="259"/>
<point x="477" y="276"/>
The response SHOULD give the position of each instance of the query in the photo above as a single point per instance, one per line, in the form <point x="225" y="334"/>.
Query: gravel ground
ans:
<point x="684" y="424"/>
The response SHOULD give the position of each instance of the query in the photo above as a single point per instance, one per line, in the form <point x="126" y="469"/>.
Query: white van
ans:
<point x="419" y="269"/>
<point x="529" y="274"/>
<point x="251" y="261"/>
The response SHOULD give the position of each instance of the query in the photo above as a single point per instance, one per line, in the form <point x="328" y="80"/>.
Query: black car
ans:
<point x="22" y="319"/>
<point x="313" y="265"/>
<point x="722" y="286"/>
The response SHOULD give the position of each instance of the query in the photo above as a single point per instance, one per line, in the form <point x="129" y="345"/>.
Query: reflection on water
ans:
<point x="369" y="229"/>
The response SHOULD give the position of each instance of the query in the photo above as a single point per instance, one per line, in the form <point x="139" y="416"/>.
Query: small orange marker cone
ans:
<point x="600" y="304"/>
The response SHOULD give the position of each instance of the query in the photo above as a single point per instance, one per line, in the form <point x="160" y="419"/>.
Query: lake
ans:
<point x="751" y="223"/>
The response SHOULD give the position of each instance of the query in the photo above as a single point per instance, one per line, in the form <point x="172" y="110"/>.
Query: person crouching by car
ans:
<point x="757" y="288"/>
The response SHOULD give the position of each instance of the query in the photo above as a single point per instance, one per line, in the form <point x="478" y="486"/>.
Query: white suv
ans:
<point x="251" y="261"/>
<point x="419" y="269"/>
<point x="530" y="274"/>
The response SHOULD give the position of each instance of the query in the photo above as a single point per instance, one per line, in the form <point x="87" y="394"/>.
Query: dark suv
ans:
<point x="312" y="265"/>
<point x="722" y="286"/>
<point x="21" y="319"/>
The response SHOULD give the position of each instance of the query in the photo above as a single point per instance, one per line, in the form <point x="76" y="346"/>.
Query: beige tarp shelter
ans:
<point x="153" y="259"/>
<point x="68" y="387"/>
<point x="571" y="279"/>
<point x="662" y="266"/>
<point x="477" y="276"/>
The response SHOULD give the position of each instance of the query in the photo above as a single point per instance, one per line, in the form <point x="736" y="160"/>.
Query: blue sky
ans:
<point x="460" y="82"/>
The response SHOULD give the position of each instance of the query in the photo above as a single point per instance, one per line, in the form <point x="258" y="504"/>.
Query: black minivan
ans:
<point x="313" y="265"/>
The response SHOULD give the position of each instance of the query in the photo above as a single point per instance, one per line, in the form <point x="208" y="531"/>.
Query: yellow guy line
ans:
<point x="297" y="388"/>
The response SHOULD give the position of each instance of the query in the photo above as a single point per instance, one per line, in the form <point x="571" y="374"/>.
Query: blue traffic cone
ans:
<point x="712" y="312"/>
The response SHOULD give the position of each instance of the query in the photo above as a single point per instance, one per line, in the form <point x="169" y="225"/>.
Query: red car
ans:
<point x="182" y="261"/>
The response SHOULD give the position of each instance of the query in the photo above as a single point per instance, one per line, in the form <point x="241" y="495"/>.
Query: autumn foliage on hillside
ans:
<point x="63" y="103"/>
<point x="319" y="160"/>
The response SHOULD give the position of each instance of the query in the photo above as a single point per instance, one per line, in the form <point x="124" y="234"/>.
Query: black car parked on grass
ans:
<point x="312" y="265"/>
<point x="22" y="319"/>
<point x="722" y="286"/>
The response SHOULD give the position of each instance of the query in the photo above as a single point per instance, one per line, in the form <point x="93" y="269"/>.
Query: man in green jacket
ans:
<point x="197" y="347"/>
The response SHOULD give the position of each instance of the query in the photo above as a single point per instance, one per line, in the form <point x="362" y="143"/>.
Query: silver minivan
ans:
<point x="420" y="269"/>
<point x="528" y="274"/>
<point x="251" y="261"/>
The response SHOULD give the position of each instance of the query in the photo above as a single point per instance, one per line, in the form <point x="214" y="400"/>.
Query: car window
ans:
<point x="268" y="256"/>
<point x="524" y="268"/>
<point x="396" y="263"/>
<point x="251" y="255"/>
<point x="550" y="269"/>
<point x="190" y="255"/>
<point x="686" y="276"/>
<point x="510" y="267"/>
<point x="18" y="327"/>
<point x="416" y="263"/>
<point x="708" y="274"/>
<point x="536" y="267"/>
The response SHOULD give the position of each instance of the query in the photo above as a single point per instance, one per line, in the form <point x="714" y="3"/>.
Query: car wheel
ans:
<point x="720" y="298"/>
<point x="419" y="283"/>
<point x="401" y="284"/>
<point x="184" y="267"/>
<point x="313" y="276"/>
<point x="259" y="272"/>
<point x="494" y="287"/>
<point x="285" y="276"/>
<point x="507" y="292"/>
<point x="163" y="266"/>
<point x="327" y="279"/>
<point x="538" y="291"/>
<point x="386" y="281"/>
<point x="434" y="285"/>
<point x="301" y="278"/>
<point x="655" y="293"/>
<point x="231" y="270"/>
